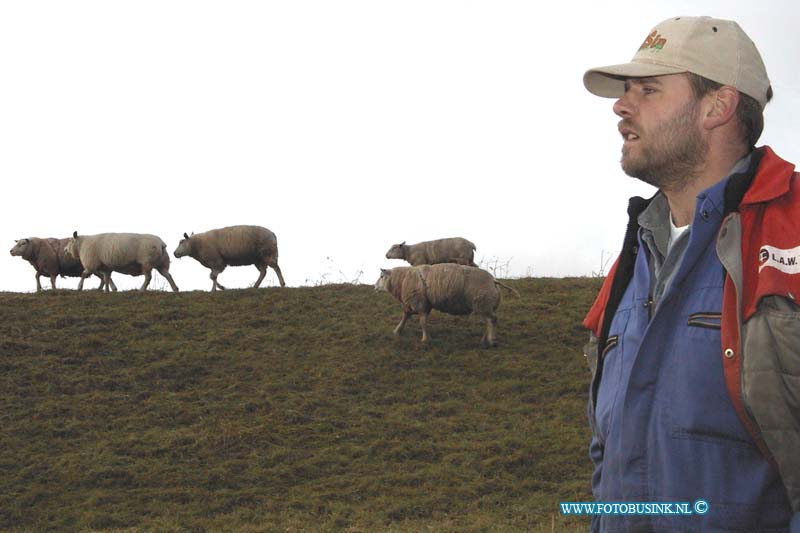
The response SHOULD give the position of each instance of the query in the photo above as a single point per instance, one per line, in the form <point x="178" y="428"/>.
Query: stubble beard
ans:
<point x="673" y="156"/>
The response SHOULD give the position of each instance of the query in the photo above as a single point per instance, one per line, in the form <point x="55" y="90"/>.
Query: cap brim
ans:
<point x="609" y="81"/>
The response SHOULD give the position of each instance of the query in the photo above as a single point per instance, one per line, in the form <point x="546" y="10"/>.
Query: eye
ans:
<point x="648" y="90"/>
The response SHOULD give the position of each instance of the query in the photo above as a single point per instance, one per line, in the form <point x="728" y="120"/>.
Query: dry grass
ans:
<point x="290" y="409"/>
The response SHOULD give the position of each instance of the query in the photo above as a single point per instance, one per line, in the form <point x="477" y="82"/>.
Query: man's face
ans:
<point x="662" y="140"/>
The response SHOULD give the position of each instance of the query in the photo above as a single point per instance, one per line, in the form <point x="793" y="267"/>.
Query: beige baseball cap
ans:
<point x="713" y="48"/>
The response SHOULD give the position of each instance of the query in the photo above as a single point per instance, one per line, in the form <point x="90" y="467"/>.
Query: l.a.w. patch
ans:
<point x="787" y="261"/>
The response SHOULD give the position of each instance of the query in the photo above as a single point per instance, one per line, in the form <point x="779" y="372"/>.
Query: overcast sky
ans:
<point x="342" y="126"/>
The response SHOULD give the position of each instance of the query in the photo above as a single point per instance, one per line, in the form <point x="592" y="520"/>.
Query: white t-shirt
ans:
<point x="675" y="232"/>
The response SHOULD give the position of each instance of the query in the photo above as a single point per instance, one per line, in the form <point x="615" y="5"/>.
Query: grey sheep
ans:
<point x="49" y="259"/>
<point x="453" y="289"/>
<point x="128" y="253"/>
<point x="451" y="250"/>
<point x="233" y="246"/>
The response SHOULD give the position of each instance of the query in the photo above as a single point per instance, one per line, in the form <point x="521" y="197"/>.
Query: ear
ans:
<point x="185" y="236"/>
<point x="403" y="243"/>
<point x="720" y="107"/>
<point x="74" y="234"/>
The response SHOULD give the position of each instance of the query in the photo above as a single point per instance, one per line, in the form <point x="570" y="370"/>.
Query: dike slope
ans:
<point x="290" y="409"/>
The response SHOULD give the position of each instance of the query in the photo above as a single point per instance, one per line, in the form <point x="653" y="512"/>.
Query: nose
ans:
<point x="623" y="107"/>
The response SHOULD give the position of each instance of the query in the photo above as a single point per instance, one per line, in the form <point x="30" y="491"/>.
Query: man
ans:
<point x="695" y="344"/>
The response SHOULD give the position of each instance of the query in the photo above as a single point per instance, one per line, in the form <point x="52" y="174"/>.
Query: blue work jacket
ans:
<point x="664" y="428"/>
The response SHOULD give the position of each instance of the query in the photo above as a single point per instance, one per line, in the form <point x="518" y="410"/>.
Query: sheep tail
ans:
<point x="507" y="288"/>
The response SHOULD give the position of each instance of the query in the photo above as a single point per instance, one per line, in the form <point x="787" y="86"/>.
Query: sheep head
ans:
<point x="71" y="247"/>
<point x="20" y="247"/>
<point x="383" y="281"/>
<point x="397" y="251"/>
<point x="184" y="247"/>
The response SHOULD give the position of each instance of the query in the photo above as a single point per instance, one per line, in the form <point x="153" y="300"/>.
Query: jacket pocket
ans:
<point x="705" y="320"/>
<point x="696" y="397"/>
<point x="611" y="343"/>
<point x="771" y="382"/>
<point x="611" y="385"/>
<point x="591" y="349"/>
<point x="774" y="332"/>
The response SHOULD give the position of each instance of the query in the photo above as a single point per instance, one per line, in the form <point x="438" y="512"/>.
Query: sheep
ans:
<point x="48" y="258"/>
<point x="452" y="250"/>
<point x="233" y="246"/>
<point x="128" y="253"/>
<point x="453" y="289"/>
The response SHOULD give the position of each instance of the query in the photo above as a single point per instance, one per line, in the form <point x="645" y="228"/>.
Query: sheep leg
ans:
<point x="490" y="337"/>
<point x="102" y="281"/>
<point x="85" y="274"/>
<point x="262" y="271"/>
<point x="109" y="282"/>
<point x="277" y="270"/>
<point x="216" y="284"/>
<point x="38" y="283"/>
<point x="423" y="323"/>
<point x="53" y="281"/>
<point x="147" y="276"/>
<point x="165" y="272"/>
<point x="401" y="325"/>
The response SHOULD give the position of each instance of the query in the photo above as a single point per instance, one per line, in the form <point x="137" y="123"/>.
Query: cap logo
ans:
<point x="654" y="41"/>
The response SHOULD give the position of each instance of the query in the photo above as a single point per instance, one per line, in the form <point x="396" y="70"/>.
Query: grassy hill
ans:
<point x="290" y="409"/>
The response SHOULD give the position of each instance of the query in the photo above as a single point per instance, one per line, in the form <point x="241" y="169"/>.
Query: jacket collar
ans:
<point x="772" y="178"/>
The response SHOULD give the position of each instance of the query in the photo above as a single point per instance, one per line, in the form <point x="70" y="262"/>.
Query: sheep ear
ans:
<point x="403" y="243"/>
<point x="74" y="234"/>
<point x="185" y="236"/>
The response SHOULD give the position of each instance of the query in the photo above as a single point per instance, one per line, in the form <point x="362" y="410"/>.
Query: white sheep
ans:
<point x="128" y="253"/>
<point x="48" y="258"/>
<point x="233" y="246"/>
<point x="446" y="287"/>
<point x="451" y="250"/>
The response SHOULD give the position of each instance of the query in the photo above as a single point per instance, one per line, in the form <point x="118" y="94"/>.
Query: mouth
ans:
<point x="628" y="135"/>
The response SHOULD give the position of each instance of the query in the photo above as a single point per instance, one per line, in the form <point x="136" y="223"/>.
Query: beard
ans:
<point x="672" y="152"/>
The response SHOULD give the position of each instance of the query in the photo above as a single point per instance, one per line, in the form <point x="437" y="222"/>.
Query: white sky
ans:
<point x="342" y="126"/>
